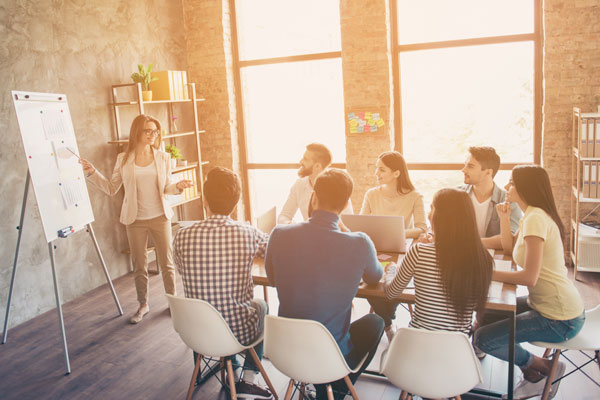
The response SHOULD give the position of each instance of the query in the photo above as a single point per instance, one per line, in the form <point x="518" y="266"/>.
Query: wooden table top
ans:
<point x="503" y="300"/>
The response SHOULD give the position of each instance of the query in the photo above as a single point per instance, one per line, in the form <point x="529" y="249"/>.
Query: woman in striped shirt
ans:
<point x="452" y="274"/>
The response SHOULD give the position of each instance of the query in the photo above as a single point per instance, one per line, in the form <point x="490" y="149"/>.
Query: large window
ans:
<point x="466" y="74"/>
<point x="290" y="78"/>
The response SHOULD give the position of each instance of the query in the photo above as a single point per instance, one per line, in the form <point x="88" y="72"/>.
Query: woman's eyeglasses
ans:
<point x="151" y="132"/>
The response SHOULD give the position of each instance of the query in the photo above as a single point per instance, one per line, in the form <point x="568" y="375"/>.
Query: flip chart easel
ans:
<point x="58" y="183"/>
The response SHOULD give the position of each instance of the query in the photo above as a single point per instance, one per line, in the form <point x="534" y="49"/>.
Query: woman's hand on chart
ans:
<point x="88" y="168"/>
<point x="184" y="184"/>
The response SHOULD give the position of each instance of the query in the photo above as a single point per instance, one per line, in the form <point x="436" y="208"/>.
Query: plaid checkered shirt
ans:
<point x="214" y="258"/>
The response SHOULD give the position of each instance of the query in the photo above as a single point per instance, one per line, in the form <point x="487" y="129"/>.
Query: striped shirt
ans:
<point x="214" y="258"/>
<point x="433" y="310"/>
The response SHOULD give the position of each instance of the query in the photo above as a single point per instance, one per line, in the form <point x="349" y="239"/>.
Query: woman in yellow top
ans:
<point x="145" y="173"/>
<point x="395" y="194"/>
<point x="553" y="311"/>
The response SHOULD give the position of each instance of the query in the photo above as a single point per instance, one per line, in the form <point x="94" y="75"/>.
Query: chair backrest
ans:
<point x="431" y="364"/>
<point x="304" y="350"/>
<point x="202" y="328"/>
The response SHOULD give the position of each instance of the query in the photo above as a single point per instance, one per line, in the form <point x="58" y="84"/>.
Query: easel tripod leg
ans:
<point x="110" y="284"/>
<point x="14" y="271"/>
<point x="59" y="308"/>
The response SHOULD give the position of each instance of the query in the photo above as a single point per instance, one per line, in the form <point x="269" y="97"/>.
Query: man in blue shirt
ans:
<point x="316" y="268"/>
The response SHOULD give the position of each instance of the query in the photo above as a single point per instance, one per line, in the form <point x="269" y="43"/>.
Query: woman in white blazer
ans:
<point x="145" y="173"/>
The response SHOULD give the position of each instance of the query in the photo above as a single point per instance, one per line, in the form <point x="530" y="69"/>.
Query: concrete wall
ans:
<point x="79" y="48"/>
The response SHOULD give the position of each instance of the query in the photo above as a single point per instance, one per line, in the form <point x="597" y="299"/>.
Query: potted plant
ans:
<point x="175" y="154"/>
<point x="143" y="76"/>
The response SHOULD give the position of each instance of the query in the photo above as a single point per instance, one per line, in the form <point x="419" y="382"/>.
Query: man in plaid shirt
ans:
<point x="214" y="258"/>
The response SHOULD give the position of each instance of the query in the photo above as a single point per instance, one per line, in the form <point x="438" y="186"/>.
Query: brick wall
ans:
<point x="571" y="79"/>
<point x="367" y="85"/>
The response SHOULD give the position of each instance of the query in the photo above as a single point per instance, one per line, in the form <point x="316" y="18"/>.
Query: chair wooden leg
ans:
<point x="329" y="393"/>
<point x="410" y="310"/>
<point x="546" y="353"/>
<point x="266" y="294"/>
<point x="231" y="380"/>
<point x="351" y="387"/>
<point x="550" y="377"/>
<point x="288" y="392"/>
<point x="194" y="376"/>
<point x="222" y="362"/>
<point x="302" y="394"/>
<point x="262" y="371"/>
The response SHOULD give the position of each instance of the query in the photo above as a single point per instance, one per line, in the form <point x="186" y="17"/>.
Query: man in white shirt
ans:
<point x="480" y="169"/>
<point x="316" y="159"/>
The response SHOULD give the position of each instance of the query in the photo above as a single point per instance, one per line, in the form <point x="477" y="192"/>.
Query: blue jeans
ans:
<point x="492" y="338"/>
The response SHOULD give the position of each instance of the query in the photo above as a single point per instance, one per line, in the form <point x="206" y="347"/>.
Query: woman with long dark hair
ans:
<point x="451" y="275"/>
<point x="553" y="311"/>
<point x="395" y="194"/>
<point x="145" y="173"/>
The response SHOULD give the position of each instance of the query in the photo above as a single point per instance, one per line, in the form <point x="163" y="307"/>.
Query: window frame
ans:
<point x="245" y="166"/>
<point x="536" y="37"/>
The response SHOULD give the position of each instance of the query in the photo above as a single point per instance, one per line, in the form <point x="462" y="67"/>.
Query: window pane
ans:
<point x="439" y="20"/>
<point x="287" y="106"/>
<point x="277" y="28"/>
<point x="270" y="187"/>
<point x="429" y="182"/>
<point x="468" y="96"/>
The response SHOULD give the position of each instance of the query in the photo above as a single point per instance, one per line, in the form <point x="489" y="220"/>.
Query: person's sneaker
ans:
<point x="247" y="390"/>
<point x="479" y="353"/>
<point x="526" y="389"/>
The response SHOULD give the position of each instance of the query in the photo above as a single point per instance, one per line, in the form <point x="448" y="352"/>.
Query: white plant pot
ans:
<point x="173" y="163"/>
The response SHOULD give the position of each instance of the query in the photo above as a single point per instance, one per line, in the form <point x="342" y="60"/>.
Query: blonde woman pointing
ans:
<point x="145" y="173"/>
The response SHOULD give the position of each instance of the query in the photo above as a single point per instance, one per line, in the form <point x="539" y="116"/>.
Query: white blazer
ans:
<point x="124" y="175"/>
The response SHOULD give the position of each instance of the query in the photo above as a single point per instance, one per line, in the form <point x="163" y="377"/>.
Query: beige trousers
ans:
<point x="137" y="234"/>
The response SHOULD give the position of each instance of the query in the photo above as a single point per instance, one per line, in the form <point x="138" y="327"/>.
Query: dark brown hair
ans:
<point x="394" y="161"/>
<point x="333" y="188"/>
<point x="222" y="190"/>
<point x="487" y="157"/>
<point x="321" y="153"/>
<point x="465" y="264"/>
<point x="137" y="130"/>
<point x="533" y="186"/>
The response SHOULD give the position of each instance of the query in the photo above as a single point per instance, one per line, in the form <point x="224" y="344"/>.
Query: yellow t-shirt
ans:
<point x="554" y="296"/>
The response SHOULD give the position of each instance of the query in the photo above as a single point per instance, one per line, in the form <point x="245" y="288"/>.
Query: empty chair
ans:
<point x="306" y="351"/>
<point x="588" y="339"/>
<point x="431" y="364"/>
<point x="203" y="329"/>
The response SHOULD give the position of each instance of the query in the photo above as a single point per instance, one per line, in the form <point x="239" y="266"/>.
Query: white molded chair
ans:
<point x="203" y="329"/>
<point x="587" y="339"/>
<point x="431" y="364"/>
<point x="306" y="351"/>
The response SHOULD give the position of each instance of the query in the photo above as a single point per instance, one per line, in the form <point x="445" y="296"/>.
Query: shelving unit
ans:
<point x="580" y="138"/>
<point x="195" y="132"/>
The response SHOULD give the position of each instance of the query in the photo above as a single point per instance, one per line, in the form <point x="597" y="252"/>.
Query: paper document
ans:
<point x="495" y="290"/>
<point x="502" y="265"/>
<point x="72" y="191"/>
<point x="53" y="122"/>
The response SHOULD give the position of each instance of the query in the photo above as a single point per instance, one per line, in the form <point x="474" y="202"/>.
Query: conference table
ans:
<point x="502" y="299"/>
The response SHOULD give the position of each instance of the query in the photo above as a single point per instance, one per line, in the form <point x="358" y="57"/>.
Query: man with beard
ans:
<point x="316" y="159"/>
<point x="479" y="171"/>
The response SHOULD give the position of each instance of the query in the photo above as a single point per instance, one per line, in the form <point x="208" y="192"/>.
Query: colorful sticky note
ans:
<point x="360" y="114"/>
<point x="360" y="129"/>
<point x="353" y="129"/>
<point x="375" y="115"/>
<point x="374" y="128"/>
<point x="371" y="122"/>
<point x="353" y="122"/>
<point x="368" y="115"/>
<point x="351" y="115"/>
<point x="362" y="122"/>
<point x="380" y="123"/>
<point x="367" y="128"/>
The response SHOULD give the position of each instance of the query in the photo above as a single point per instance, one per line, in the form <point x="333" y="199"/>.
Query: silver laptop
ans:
<point x="267" y="221"/>
<point x="386" y="232"/>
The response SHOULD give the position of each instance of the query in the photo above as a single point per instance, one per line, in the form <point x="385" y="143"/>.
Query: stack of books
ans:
<point x="171" y="85"/>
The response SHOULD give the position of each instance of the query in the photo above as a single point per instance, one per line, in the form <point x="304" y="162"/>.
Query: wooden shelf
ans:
<point x="191" y="165"/>
<point x="132" y="103"/>
<point x="186" y="201"/>
<point x="174" y="135"/>
<point x="584" y="199"/>
<point x="576" y="154"/>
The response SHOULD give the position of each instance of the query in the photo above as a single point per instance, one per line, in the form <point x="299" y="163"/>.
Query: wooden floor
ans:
<point x="111" y="359"/>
